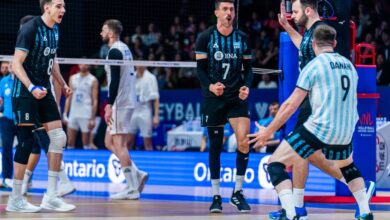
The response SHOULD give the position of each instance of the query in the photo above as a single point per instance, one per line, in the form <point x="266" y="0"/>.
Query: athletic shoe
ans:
<point x="65" y="188"/>
<point x="283" y="216"/>
<point x="7" y="183"/>
<point x="127" y="193"/>
<point x="20" y="204"/>
<point x="301" y="212"/>
<point x="142" y="178"/>
<point x="238" y="201"/>
<point x="368" y="216"/>
<point x="370" y="192"/>
<point x="216" y="206"/>
<point x="55" y="203"/>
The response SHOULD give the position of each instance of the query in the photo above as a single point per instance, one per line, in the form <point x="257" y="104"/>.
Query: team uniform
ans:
<point x="125" y="101"/>
<point x="147" y="91"/>
<point x="225" y="63"/>
<point x="306" y="54"/>
<point x="331" y="82"/>
<point x="41" y="44"/>
<point x="81" y="106"/>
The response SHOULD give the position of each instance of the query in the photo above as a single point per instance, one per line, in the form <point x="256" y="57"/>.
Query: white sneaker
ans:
<point x="65" y="188"/>
<point x="21" y="205"/>
<point x="142" y="178"/>
<point x="55" y="203"/>
<point x="127" y="193"/>
<point x="7" y="183"/>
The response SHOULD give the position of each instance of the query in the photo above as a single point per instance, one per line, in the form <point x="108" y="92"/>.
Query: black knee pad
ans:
<point x="277" y="173"/>
<point x="350" y="172"/>
<point x="41" y="141"/>
<point x="24" y="148"/>
<point x="216" y="142"/>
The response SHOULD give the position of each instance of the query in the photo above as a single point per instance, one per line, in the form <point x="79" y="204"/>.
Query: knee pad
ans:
<point x="57" y="140"/>
<point x="350" y="172"/>
<point x="24" y="148"/>
<point x="277" y="173"/>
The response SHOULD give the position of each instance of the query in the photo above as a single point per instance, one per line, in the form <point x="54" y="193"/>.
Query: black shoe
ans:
<point x="239" y="202"/>
<point x="216" y="206"/>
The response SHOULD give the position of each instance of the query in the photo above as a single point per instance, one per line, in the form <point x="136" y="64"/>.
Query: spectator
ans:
<point x="4" y="69"/>
<point x="266" y="82"/>
<point x="272" y="144"/>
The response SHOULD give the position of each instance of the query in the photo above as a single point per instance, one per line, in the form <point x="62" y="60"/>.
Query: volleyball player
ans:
<point x="33" y="100"/>
<point x="223" y="60"/>
<point x="120" y="107"/>
<point x="330" y="80"/>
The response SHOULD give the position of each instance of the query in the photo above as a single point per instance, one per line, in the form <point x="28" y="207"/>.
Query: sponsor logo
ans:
<point x="263" y="176"/>
<point x="382" y="163"/>
<point x="228" y="174"/>
<point x="218" y="55"/>
<point x="366" y="126"/>
<point x="237" y="45"/>
<point x="114" y="170"/>
<point x="81" y="170"/>
<point x="215" y="46"/>
<point x="7" y="92"/>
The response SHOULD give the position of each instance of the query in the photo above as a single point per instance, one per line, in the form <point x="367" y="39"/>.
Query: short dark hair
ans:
<point x="324" y="35"/>
<point x="114" y="25"/>
<point x="218" y="2"/>
<point x="308" y="3"/>
<point x="274" y="103"/>
<point x="42" y="4"/>
<point x="26" y="19"/>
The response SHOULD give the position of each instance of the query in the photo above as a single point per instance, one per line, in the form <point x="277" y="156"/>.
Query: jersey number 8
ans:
<point x="51" y="62"/>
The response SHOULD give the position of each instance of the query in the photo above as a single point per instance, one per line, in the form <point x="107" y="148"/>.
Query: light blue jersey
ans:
<point x="331" y="81"/>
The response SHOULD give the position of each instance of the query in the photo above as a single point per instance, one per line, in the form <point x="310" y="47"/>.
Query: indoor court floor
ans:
<point x="188" y="203"/>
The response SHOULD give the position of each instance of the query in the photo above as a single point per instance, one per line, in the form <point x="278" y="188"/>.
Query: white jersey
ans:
<point x="146" y="89"/>
<point x="81" y="105"/>
<point x="126" y="97"/>
<point x="331" y="81"/>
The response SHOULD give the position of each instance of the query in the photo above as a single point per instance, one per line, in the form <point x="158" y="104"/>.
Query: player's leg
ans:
<point x="24" y="112"/>
<point x="283" y="157"/>
<point x="214" y="118"/>
<point x="32" y="163"/>
<point x="8" y="132"/>
<point x="146" y="130"/>
<point x="65" y="186"/>
<point x="135" y="125"/>
<point x="51" y="120"/>
<point x="240" y="126"/>
<point x="238" y="115"/>
<point x="71" y="132"/>
<point x="119" y="132"/>
<point x="93" y="133"/>
<point x="85" y="132"/>
<point x="357" y="186"/>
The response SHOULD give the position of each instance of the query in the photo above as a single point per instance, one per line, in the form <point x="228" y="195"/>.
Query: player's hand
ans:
<point x="156" y="121"/>
<point x="282" y="16"/>
<point x="217" y="88"/>
<point x="91" y="124"/>
<point x="67" y="90"/>
<point x="244" y="93"/>
<point x="39" y="93"/>
<point x="259" y="138"/>
<point x="108" y="114"/>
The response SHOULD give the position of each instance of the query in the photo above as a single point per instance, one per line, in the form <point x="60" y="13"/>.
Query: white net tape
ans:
<point x="174" y="64"/>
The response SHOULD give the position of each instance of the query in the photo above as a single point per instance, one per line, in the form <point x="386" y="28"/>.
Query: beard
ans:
<point x="302" y="21"/>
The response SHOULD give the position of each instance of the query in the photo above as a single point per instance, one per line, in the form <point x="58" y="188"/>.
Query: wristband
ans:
<point x="31" y="87"/>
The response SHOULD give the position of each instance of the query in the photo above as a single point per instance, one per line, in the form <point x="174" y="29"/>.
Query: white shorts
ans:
<point x="120" y="121"/>
<point x="142" y="121"/>
<point x="79" y="124"/>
